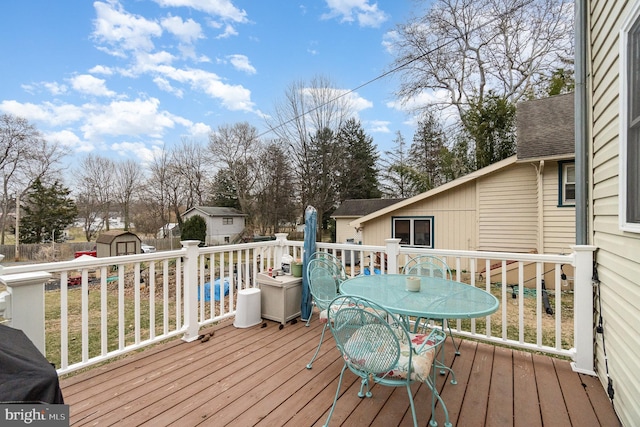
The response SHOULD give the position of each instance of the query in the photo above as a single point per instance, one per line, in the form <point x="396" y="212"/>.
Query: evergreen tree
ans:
<point x="492" y="125"/>
<point x="395" y="170"/>
<point x="223" y="191"/>
<point x="194" y="228"/>
<point x="358" y="175"/>
<point x="425" y="154"/>
<point x="47" y="211"/>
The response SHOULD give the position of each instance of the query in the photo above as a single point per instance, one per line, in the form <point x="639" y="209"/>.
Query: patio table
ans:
<point x="437" y="298"/>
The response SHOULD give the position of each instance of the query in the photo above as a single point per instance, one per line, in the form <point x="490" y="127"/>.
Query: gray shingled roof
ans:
<point x="361" y="207"/>
<point x="546" y="128"/>
<point x="217" y="211"/>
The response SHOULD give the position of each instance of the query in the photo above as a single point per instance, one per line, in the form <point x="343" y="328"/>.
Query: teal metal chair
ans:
<point x="437" y="261"/>
<point x="324" y="279"/>
<point x="376" y="346"/>
<point x="434" y="267"/>
<point x="330" y="261"/>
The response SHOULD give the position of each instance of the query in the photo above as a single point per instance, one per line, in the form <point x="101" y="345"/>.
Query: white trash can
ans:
<point x="248" y="309"/>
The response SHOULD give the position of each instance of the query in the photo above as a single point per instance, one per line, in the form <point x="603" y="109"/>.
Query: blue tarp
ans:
<point x="216" y="290"/>
<point x="309" y="247"/>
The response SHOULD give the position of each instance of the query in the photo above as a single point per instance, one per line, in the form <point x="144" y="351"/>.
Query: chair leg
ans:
<point x="364" y="382"/>
<point x="335" y="399"/>
<point x="413" y="406"/>
<point x="317" y="349"/>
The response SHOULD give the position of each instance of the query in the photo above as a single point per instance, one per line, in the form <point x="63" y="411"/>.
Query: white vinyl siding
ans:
<point x="618" y="255"/>
<point x="508" y="210"/>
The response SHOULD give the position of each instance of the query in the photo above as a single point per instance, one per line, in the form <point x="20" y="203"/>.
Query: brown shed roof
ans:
<point x="109" y="236"/>
<point x="546" y="128"/>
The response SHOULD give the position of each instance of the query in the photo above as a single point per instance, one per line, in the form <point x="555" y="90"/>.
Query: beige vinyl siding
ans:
<point x="453" y="212"/>
<point x="344" y="231"/>
<point x="559" y="221"/>
<point x="508" y="210"/>
<point x="618" y="255"/>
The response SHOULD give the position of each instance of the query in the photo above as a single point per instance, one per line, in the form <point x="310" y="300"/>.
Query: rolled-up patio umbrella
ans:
<point x="309" y="247"/>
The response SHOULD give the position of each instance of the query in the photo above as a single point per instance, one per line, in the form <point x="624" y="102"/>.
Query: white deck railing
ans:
<point x="124" y="303"/>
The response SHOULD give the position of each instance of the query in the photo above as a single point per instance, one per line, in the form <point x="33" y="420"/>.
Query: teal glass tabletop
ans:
<point x="437" y="298"/>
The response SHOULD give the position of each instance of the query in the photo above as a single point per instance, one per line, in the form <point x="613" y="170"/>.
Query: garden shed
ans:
<point x="117" y="242"/>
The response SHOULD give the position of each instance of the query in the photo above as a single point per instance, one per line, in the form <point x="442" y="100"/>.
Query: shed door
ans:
<point x="126" y="248"/>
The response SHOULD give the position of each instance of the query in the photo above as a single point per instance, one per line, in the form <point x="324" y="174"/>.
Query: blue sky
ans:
<point x="121" y="78"/>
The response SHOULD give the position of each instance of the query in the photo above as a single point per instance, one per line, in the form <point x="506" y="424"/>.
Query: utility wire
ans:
<point x="391" y="71"/>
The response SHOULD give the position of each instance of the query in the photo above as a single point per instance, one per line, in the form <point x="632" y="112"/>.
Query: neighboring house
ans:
<point x="170" y="229"/>
<point x="224" y="225"/>
<point x="353" y="209"/>
<point x="524" y="203"/>
<point x="117" y="242"/>
<point x="610" y="80"/>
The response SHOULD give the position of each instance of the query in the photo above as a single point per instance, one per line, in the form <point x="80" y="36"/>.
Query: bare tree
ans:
<point x="155" y="196"/>
<point x="127" y="183"/>
<point x="96" y="185"/>
<point x="24" y="157"/>
<point x="464" y="48"/>
<point x="274" y="189"/>
<point x="235" y="148"/>
<point x="307" y="109"/>
<point x="189" y="160"/>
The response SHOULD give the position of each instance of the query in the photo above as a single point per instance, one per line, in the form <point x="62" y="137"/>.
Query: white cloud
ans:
<point x="55" y="88"/>
<point x="139" y="149"/>
<point x="359" y="103"/>
<point x="47" y="112"/>
<point x="233" y="97"/>
<point x="186" y="31"/>
<point x="122" y="31"/>
<point x="137" y="117"/>
<point x="241" y="62"/>
<point x="221" y="8"/>
<point x="389" y="40"/>
<point x="101" y="69"/>
<point x="367" y="15"/>
<point x="69" y="139"/>
<point x="228" y="32"/>
<point x="379" y="126"/>
<point x="87" y="84"/>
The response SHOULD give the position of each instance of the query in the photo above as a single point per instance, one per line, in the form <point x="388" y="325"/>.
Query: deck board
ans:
<point x="257" y="377"/>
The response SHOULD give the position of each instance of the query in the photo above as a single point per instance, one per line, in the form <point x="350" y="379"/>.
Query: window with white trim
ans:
<point x="567" y="183"/>
<point x="227" y="221"/>
<point x="416" y="231"/>
<point x="630" y="122"/>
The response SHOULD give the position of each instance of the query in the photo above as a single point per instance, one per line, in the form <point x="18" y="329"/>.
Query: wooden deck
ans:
<point x="257" y="377"/>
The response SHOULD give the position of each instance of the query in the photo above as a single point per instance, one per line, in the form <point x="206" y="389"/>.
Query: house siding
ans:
<point x="344" y="231"/>
<point x="508" y="213"/>
<point x="618" y="255"/>
<point x="559" y="232"/>
<point x="454" y="219"/>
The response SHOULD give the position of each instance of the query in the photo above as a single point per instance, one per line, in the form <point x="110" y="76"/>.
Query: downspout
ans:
<point x="581" y="123"/>
<point x="540" y="171"/>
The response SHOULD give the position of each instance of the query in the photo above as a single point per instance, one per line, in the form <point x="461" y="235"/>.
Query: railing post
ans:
<point x="393" y="250"/>
<point x="281" y="239"/>
<point x="25" y="309"/>
<point x="191" y="290"/>
<point x="583" y="309"/>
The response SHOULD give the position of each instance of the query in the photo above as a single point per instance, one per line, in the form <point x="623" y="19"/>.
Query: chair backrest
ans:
<point x="434" y="267"/>
<point x="331" y="261"/>
<point x="428" y="269"/>
<point x="367" y="335"/>
<point x="323" y="282"/>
